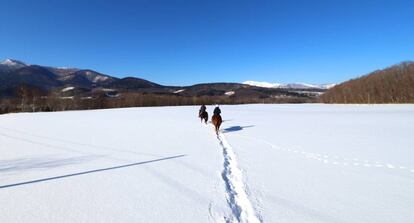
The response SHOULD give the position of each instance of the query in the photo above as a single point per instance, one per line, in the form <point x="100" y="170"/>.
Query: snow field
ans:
<point x="270" y="163"/>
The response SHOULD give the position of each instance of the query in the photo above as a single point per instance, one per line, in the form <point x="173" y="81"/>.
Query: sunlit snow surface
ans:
<point x="270" y="163"/>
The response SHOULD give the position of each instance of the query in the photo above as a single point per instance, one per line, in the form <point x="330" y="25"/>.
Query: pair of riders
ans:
<point x="203" y="109"/>
<point x="216" y="119"/>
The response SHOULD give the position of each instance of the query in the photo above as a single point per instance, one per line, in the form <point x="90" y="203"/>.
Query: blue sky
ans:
<point x="186" y="42"/>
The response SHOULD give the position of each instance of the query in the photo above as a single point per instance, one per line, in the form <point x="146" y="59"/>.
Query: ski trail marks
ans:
<point x="237" y="197"/>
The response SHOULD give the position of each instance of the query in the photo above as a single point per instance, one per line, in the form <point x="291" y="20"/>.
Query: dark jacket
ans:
<point x="203" y="108"/>
<point x="217" y="111"/>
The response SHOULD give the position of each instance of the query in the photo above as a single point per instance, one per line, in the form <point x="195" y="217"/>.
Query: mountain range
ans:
<point x="25" y="87"/>
<point x="14" y="73"/>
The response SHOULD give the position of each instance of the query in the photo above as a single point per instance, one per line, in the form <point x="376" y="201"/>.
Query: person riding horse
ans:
<point x="202" y="113"/>
<point x="217" y="110"/>
<point x="202" y="109"/>
<point x="216" y="119"/>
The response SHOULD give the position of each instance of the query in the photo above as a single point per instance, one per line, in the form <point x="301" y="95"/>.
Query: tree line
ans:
<point x="32" y="99"/>
<point x="391" y="85"/>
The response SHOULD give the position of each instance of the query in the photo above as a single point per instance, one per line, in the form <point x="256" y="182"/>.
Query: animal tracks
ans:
<point x="337" y="160"/>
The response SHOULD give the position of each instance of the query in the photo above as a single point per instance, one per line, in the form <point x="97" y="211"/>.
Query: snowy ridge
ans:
<point x="178" y="91"/>
<point x="236" y="193"/>
<point x="291" y="85"/>
<point x="263" y="84"/>
<point x="95" y="77"/>
<point x="10" y="64"/>
<point x="67" y="89"/>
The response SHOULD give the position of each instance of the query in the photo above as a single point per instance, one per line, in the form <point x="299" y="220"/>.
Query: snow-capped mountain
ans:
<point x="68" y="82"/>
<point x="62" y="73"/>
<point x="291" y="85"/>
<point x="14" y="72"/>
<point x="263" y="84"/>
<point x="10" y="64"/>
<point x="309" y="86"/>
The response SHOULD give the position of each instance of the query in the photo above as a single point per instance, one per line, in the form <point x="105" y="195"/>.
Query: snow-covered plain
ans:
<point x="270" y="163"/>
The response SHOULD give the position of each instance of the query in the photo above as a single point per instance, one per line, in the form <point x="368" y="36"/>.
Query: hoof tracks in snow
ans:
<point x="237" y="197"/>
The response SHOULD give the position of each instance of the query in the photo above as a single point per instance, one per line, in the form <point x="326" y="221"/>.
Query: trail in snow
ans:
<point x="337" y="160"/>
<point x="237" y="197"/>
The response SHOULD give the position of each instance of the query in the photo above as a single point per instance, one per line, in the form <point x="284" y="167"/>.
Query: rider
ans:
<point x="202" y="109"/>
<point x="217" y="110"/>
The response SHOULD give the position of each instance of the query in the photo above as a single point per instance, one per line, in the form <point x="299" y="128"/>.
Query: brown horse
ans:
<point x="216" y="120"/>
<point x="203" y="116"/>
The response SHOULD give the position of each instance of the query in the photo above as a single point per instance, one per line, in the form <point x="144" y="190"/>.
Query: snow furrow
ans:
<point x="237" y="197"/>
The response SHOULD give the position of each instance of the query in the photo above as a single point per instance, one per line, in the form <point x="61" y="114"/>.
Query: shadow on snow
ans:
<point x="236" y="128"/>
<point x="88" y="172"/>
<point x="26" y="164"/>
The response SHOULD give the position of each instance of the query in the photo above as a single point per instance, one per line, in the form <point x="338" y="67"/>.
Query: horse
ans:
<point x="203" y="115"/>
<point x="216" y="120"/>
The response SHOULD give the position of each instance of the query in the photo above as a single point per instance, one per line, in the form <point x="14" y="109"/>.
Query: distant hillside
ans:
<point x="25" y="87"/>
<point x="394" y="84"/>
